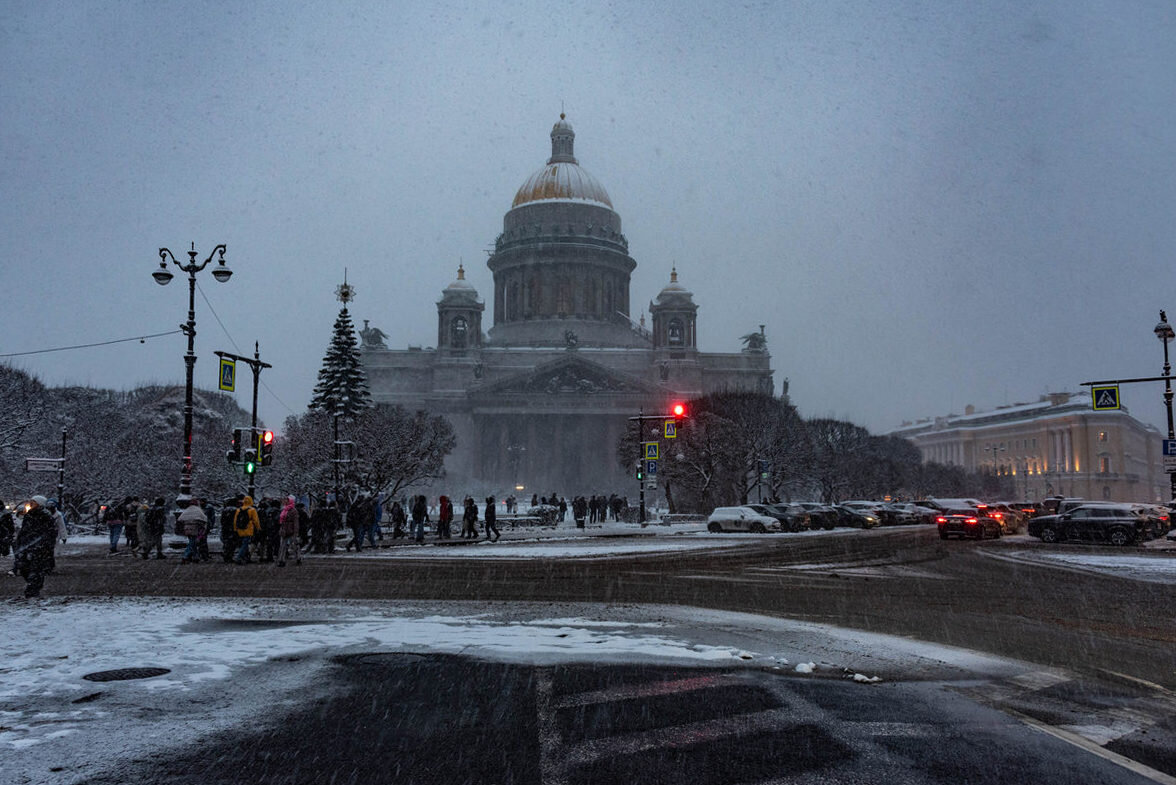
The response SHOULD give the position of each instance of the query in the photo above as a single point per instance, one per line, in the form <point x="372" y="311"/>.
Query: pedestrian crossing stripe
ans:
<point x="1105" y="398"/>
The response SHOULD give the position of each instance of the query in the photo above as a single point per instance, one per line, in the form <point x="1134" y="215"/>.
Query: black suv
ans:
<point x="1116" y="525"/>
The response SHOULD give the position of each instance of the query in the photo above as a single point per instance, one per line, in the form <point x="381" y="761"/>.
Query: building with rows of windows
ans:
<point x="1057" y="445"/>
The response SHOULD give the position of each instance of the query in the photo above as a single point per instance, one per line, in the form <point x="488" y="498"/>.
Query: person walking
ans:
<point x="398" y="520"/>
<point x="193" y="524"/>
<point x="579" y="511"/>
<point x="288" y="530"/>
<point x="33" y="550"/>
<point x="420" y="516"/>
<point x="116" y="518"/>
<point x="357" y="520"/>
<point x="133" y="511"/>
<point x="491" y="520"/>
<point x="152" y="528"/>
<point x="445" y="519"/>
<point x="469" y="520"/>
<point x="228" y="518"/>
<point x="7" y="530"/>
<point x="246" y="526"/>
<point x="303" y="526"/>
<point x="563" y="509"/>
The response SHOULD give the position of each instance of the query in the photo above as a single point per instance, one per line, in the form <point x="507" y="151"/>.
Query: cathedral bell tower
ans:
<point x="675" y="318"/>
<point x="459" y="317"/>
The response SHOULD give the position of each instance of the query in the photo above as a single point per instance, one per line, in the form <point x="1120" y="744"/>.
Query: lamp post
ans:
<point x="163" y="277"/>
<point x="1165" y="333"/>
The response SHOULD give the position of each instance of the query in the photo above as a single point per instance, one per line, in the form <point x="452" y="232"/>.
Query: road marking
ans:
<point x="550" y="743"/>
<point x="644" y="690"/>
<point x="688" y="734"/>
<point x="1093" y="748"/>
<point x="1039" y="680"/>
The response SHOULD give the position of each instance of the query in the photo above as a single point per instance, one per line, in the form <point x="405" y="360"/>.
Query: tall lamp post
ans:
<point x="163" y="277"/>
<point x="1165" y="333"/>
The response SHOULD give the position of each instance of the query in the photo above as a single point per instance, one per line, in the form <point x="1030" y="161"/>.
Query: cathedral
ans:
<point x="541" y="398"/>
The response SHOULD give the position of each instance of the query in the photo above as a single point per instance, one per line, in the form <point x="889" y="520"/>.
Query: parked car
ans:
<point x="885" y="515"/>
<point x="1112" y="524"/>
<point x="821" y="516"/>
<point x="794" y="517"/>
<point x="960" y="523"/>
<point x="909" y="512"/>
<point x="741" y="519"/>
<point x="860" y="519"/>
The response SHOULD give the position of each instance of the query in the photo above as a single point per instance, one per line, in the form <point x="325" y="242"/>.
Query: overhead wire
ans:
<point x="139" y="338"/>
<point x="229" y="335"/>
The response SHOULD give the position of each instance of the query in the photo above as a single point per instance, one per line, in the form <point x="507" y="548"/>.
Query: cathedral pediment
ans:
<point x="572" y="375"/>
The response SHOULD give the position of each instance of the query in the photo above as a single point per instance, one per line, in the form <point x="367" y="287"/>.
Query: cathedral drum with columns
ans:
<point x="542" y="397"/>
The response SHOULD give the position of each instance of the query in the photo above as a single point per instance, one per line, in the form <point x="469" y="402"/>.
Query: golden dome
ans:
<point x="562" y="181"/>
<point x="562" y="178"/>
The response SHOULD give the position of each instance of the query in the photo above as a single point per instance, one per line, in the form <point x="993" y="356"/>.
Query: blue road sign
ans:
<point x="650" y="468"/>
<point x="650" y="450"/>
<point x="1169" y="447"/>
<point x="1105" y="398"/>
<point x="228" y="374"/>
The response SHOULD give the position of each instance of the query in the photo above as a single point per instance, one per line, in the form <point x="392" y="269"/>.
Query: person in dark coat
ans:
<point x="491" y="518"/>
<point x="398" y="521"/>
<point x="33" y="550"/>
<point x="154" y="519"/>
<point x="420" y="515"/>
<point x="359" y="518"/>
<point x="444" y="519"/>
<point x="229" y="540"/>
<point x="7" y="530"/>
<point x="469" y="520"/>
<point x="579" y="511"/>
<point x="324" y="522"/>
<point x="303" y="525"/>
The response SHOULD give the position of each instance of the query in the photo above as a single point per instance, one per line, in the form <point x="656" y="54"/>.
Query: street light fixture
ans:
<point x="163" y="276"/>
<point x="1165" y="333"/>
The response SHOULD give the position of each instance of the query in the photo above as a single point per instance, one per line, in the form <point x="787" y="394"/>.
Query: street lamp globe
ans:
<point x="1164" y="330"/>
<point x="162" y="276"/>
<point x="221" y="272"/>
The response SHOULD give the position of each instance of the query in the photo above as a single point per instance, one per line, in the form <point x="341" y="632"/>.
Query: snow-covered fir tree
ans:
<point x="342" y="386"/>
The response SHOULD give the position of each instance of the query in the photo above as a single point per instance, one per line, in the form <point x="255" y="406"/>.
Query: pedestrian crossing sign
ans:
<point x="650" y="450"/>
<point x="1105" y="398"/>
<point x="228" y="374"/>
<point x="671" y="429"/>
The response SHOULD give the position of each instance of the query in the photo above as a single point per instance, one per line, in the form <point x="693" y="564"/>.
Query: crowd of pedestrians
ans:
<point x="271" y="530"/>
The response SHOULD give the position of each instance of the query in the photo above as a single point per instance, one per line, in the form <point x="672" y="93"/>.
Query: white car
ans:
<point x="741" y="519"/>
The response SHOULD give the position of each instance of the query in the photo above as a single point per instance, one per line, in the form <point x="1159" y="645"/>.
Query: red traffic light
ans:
<point x="679" y="410"/>
<point x="267" y="437"/>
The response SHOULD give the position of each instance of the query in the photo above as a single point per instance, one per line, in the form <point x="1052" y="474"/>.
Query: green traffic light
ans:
<point x="250" y="467"/>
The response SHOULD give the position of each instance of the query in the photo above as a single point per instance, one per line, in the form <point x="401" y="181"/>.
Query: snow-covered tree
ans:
<point x="342" y="386"/>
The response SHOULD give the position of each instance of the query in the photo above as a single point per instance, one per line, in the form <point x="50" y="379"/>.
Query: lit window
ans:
<point x="1102" y="436"/>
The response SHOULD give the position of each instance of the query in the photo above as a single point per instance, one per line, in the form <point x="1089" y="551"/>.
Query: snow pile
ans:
<point x="806" y="667"/>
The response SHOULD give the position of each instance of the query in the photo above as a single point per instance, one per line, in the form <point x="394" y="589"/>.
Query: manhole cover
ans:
<point x="123" y="674"/>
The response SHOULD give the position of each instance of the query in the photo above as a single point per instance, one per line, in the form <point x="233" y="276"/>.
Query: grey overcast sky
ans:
<point x="928" y="204"/>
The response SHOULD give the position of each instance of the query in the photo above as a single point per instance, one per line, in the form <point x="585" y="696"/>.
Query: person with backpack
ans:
<point x="246" y="526"/>
<point x="228" y="517"/>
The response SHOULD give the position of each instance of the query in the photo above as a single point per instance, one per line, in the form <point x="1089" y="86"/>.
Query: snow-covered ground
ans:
<point x="244" y="654"/>
<point x="1158" y="566"/>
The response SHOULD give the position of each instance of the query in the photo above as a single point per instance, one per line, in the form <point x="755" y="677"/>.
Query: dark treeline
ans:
<point x="729" y="437"/>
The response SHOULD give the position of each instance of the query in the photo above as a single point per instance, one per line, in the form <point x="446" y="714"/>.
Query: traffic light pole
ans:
<point x="641" y="419"/>
<point x="255" y="364"/>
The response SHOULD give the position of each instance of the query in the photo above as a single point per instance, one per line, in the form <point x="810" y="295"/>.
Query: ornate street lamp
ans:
<point x="163" y="277"/>
<point x="1165" y="333"/>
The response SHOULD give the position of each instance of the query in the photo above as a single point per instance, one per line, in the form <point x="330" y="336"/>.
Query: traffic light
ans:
<point x="234" y="455"/>
<point x="265" y="447"/>
<point x="640" y="471"/>
<point x="678" y="410"/>
<point x="250" y="460"/>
